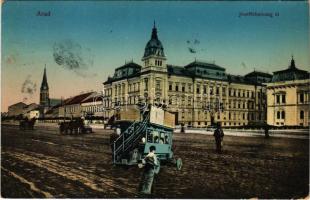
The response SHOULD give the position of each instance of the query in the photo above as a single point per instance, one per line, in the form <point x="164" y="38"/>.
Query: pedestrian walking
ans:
<point x="150" y="164"/>
<point x="182" y="128"/>
<point x="218" y="136"/>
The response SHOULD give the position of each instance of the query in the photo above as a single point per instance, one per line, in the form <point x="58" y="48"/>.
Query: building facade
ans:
<point x="24" y="110"/>
<point x="199" y="94"/>
<point x="92" y="106"/>
<point x="16" y="109"/>
<point x="288" y="97"/>
<point x="72" y="107"/>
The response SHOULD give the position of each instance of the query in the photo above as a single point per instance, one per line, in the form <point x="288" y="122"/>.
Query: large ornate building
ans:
<point x="199" y="93"/>
<point x="288" y="97"/>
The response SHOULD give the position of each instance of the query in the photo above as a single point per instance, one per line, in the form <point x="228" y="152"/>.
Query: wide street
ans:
<point x="42" y="163"/>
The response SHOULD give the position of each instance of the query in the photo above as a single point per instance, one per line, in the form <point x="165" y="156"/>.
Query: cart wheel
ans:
<point x="179" y="163"/>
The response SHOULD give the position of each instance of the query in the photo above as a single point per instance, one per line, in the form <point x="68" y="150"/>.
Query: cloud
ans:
<point x="193" y="45"/>
<point x="191" y="50"/>
<point x="243" y="65"/>
<point x="28" y="86"/>
<point x="71" y="56"/>
<point x="11" y="59"/>
<point x="196" y="41"/>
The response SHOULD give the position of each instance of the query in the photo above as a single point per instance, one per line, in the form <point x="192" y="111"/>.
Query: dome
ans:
<point x="154" y="46"/>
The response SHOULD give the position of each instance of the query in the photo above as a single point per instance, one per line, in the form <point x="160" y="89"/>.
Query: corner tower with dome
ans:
<point x="154" y="56"/>
<point x="199" y="94"/>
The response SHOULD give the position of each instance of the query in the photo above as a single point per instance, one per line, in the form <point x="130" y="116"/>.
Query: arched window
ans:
<point x="301" y="115"/>
<point x="278" y="115"/>
<point x="283" y="115"/>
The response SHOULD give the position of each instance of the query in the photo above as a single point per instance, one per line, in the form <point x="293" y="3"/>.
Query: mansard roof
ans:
<point x="291" y="73"/>
<point x="77" y="99"/>
<point x="258" y="73"/>
<point x="187" y="71"/>
<point x="205" y="65"/>
<point x="126" y="74"/>
<point x="20" y="104"/>
<point x="130" y="65"/>
<point x="178" y="71"/>
<point x="95" y="97"/>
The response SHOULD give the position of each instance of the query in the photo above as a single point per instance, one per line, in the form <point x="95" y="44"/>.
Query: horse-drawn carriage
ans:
<point x="139" y="131"/>
<point x="75" y="126"/>
<point x="27" y="124"/>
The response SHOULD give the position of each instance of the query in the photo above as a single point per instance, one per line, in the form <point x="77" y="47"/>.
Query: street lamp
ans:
<point x="213" y="107"/>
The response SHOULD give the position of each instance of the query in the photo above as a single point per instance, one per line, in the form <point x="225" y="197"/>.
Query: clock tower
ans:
<point x="154" y="56"/>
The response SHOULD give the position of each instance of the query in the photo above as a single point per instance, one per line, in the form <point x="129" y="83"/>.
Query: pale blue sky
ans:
<point x="112" y="32"/>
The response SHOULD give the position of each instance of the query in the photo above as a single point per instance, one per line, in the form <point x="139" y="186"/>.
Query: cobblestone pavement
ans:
<point x="41" y="163"/>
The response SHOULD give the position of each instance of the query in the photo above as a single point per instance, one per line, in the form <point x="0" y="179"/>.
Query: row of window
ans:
<point x="232" y="116"/>
<point x="134" y="87"/>
<point x="108" y="92"/>
<point x="280" y="98"/>
<point x="215" y="90"/>
<point x="245" y="93"/>
<point x="231" y="104"/>
<point x="224" y="123"/>
<point x="158" y="62"/>
<point x="92" y="109"/>
<point x="182" y="101"/>
<point x="244" y="105"/>
<point x="71" y="109"/>
<point x="119" y="89"/>
<point x="281" y="114"/>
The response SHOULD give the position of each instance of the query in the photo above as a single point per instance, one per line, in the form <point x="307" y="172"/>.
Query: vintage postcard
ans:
<point x="155" y="99"/>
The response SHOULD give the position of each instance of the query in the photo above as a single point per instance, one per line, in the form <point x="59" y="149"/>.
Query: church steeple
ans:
<point x="292" y="66"/>
<point x="44" y="84"/>
<point x="44" y="93"/>
<point x="154" y="32"/>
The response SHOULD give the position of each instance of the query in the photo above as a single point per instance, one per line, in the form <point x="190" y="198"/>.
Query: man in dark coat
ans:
<point x="218" y="136"/>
